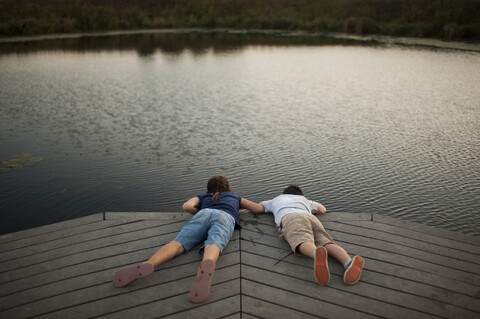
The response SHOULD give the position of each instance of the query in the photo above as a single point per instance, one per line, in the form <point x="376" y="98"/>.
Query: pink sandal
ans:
<point x="201" y="288"/>
<point x="127" y="275"/>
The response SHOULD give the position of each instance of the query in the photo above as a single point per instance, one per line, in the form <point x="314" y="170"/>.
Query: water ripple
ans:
<point x="362" y="129"/>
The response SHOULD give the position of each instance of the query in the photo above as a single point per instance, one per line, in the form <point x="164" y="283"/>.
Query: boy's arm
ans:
<point x="251" y="206"/>
<point x="192" y="205"/>
<point x="321" y="209"/>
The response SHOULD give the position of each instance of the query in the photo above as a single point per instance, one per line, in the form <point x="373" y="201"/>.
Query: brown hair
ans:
<point x="293" y="189"/>
<point x="216" y="185"/>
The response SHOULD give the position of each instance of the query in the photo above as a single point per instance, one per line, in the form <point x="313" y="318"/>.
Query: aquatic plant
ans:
<point x="19" y="161"/>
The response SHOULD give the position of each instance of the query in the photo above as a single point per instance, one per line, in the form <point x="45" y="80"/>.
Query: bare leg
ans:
<point x="127" y="275"/>
<point x="354" y="270"/>
<point x="201" y="288"/>
<point x="307" y="249"/>
<point x="167" y="252"/>
<point x="212" y="252"/>
<point x="337" y="252"/>
<point x="320" y="256"/>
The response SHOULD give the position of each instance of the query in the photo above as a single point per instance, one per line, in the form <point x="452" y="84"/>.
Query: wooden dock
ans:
<point x="65" y="270"/>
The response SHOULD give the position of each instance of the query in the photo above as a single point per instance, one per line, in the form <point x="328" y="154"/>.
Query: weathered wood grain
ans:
<point x="65" y="270"/>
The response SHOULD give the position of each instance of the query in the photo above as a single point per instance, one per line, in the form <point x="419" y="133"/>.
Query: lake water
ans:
<point x="140" y="122"/>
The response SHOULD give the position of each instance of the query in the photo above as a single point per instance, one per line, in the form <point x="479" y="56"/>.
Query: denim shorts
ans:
<point x="212" y="225"/>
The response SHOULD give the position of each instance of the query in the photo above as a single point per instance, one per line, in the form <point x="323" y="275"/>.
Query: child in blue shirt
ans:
<point x="216" y="215"/>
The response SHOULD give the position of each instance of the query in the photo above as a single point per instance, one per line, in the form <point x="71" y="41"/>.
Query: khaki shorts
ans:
<point x="301" y="227"/>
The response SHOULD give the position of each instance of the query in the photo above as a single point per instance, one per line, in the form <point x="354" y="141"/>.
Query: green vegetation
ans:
<point x="18" y="161"/>
<point x="445" y="19"/>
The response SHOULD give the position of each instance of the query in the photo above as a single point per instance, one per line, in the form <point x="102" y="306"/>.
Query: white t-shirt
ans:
<point x="287" y="203"/>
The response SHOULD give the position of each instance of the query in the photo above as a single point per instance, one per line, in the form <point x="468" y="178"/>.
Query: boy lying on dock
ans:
<point x="216" y="215"/>
<point x="306" y="236"/>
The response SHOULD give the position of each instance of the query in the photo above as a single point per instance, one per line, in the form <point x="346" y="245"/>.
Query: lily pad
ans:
<point x="19" y="161"/>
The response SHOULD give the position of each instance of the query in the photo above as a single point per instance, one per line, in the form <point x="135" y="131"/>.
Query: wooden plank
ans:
<point x="101" y="290"/>
<point x="407" y="273"/>
<point x="428" y="269"/>
<point x="268" y="217"/>
<point x="37" y="253"/>
<point x="217" y="309"/>
<point x="258" y="308"/>
<point x="47" y="229"/>
<point x="264" y="238"/>
<point x="408" y="267"/>
<point x="448" y="256"/>
<point x="165" y="216"/>
<point x="69" y="285"/>
<point x="260" y="227"/>
<point x="388" y="296"/>
<point x="119" y="244"/>
<point x="452" y="290"/>
<point x="37" y="293"/>
<point x="121" y="257"/>
<point x="376" y="250"/>
<point x="61" y="274"/>
<point x="307" y="304"/>
<point x="152" y="240"/>
<point x="153" y="302"/>
<point x="344" y="217"/>
<point x="300" y="280"/>
<point x="82" y="225"/>
<point x="426" y="229"/>
<point x="237" y="315"/>
<point x="443" y="245"/>
<point x="413" y="281"/>
<point x="64" y="234"/>
<point x="401" y="255"/>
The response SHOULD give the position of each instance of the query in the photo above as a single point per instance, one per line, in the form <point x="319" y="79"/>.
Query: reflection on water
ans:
<point x="139" y="123"/>
<point x="172" y="43"/>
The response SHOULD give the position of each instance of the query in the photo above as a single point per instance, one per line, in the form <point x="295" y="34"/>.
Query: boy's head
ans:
<point x="293" y="189"/>
<point x="218" y="184"/>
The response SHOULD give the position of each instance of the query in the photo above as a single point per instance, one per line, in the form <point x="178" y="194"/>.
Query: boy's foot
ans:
<point x="126" y="275"/>
<point x="201" y="288"/>
<point x="353" y="272"/>
<point x="322" y="274"/>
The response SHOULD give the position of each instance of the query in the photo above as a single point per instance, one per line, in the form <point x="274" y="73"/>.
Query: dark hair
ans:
<point x="293" y="189"/>
<point x="216" y="185"/>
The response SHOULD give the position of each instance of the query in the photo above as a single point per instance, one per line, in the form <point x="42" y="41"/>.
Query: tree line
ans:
<point x="445" y="19"/>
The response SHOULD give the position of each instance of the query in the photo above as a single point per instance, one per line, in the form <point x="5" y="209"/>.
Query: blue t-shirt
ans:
<point x="226" y="201"/>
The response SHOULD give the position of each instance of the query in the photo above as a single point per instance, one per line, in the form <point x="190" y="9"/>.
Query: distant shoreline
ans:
<point x="381" y="39"/>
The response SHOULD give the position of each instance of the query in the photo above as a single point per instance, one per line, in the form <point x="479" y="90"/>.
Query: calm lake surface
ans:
<point x="140" y="122"/>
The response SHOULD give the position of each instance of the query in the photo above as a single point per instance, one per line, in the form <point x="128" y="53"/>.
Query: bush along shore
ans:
<point x="442" y="19"/>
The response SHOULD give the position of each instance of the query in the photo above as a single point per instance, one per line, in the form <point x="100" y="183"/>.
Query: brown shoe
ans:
<point x="353" y="272"/>
<point x="201" y="288"/>
<point x="126" y="275"/>
<point x="322" y="274"/>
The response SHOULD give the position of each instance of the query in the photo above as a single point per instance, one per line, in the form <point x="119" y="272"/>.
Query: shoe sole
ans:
<point x="201" y="288"/>
<point x="127" y="275"/>
<point x="354" y="271"/>
<point x="322" y="274"/>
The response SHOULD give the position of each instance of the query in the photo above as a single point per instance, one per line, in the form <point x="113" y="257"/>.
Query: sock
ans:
<point x="347" y="263"/>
